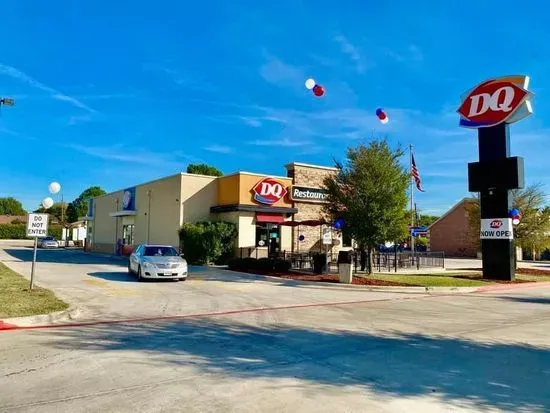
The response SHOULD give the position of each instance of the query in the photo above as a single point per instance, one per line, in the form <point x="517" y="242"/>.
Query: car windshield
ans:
<point x="160" y="252"/>
<point x="49" y="239"/>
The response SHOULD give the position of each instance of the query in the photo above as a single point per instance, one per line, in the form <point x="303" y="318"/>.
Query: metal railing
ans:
<point x="381" y="261"/>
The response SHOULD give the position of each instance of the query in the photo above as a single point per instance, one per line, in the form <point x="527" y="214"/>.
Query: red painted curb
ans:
<point x="208" y="314"/>
<point x="500" y="287"/>
<point x="6" y="326"/>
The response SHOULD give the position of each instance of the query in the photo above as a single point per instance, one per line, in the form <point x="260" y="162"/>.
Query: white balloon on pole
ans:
<point x="47" y="203"/>
<point x="385" y="120"/>
<point x="515" y="221"/>
<point x="310" y="84"/>
<point x="54" y="187"/>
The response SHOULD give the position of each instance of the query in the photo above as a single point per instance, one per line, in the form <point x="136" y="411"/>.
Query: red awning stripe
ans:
<point x="270" y="218"/>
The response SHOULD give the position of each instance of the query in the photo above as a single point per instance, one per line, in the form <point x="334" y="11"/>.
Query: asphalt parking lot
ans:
<point x="351" y="351"/>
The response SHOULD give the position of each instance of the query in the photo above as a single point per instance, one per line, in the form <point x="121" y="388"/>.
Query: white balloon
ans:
<point x="47" y="203"/>
<point x="54" y="187"/>
<point x="310" y="84"/>
<point x="515" y="221"/>
<point x="385" y="120"/>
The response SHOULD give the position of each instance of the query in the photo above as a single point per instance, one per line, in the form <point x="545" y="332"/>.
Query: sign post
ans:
<point x="37" y="227"/>
<point x="490" y="107"/>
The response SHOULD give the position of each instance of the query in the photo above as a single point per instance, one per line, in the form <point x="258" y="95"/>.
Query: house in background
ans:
<point x="452" y="234"/>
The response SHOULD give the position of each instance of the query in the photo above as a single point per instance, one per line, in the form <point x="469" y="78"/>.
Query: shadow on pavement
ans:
<point x="457" y="371"/>
<point x="530" y="300"/>
<point x="117" y="276"/>
<point x="62" y="256"/>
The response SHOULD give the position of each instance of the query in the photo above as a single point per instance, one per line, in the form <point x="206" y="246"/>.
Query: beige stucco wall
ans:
<point x="198" y="194"/>
<point x="160" y="223"/>
<point x="103" y="234"/>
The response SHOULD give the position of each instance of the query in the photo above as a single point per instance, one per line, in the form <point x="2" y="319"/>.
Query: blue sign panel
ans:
<point x="129" y="199"/>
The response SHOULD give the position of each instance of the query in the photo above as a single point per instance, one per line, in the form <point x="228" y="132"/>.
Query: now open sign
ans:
<point x="37" y="225"/>
<point x="496" y="228"/>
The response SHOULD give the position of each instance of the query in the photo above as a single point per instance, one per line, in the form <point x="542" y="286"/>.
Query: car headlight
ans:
<point x="183" y="266"/>
<point x="148" y="264"/>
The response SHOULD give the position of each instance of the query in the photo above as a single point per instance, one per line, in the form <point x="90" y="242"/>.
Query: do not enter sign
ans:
<point x="37" y="225"/>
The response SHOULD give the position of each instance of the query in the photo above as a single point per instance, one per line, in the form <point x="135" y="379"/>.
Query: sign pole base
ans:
<point x="33" y="262"/>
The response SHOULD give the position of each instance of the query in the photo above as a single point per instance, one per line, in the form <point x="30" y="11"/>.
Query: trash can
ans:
<point x="345" y="268"/>
<point x="320" y="263"/>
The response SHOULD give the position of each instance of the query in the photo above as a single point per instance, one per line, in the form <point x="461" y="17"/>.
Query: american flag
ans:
<point x="416" y="175"/>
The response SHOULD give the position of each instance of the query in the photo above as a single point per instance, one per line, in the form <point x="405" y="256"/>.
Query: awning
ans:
<point x="270" y="218"/>
<point x="122" y="213"/>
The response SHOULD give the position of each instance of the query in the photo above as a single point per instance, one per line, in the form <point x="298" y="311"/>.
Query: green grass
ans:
<point x="430" y="280"/>
<point x="452" y="279"/>
<point x="16" y="300"/>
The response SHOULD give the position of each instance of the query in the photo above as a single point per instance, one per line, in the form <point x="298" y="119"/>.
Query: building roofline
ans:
<point x="454" y="207"/>
<point x="308" y="165"/>
<point x="157" y="180"/>
<point x="255" y="174"/>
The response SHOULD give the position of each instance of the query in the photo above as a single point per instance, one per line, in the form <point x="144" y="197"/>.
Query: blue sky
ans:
<point x="114" y="93"/>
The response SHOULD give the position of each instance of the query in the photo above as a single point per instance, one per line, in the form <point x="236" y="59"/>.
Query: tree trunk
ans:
<point x="363" y="258"/>
<point x="369" y="260"/>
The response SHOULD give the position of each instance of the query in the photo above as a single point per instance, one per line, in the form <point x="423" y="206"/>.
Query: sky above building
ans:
<point x="115" y="93"/>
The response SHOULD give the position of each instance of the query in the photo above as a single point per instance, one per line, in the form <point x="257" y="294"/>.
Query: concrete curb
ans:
<point x="13" y="323"/>
<point x="381" y="288"/>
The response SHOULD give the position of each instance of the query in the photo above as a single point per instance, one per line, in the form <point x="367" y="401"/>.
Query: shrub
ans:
<point x="235" y="263"/>
<point x="281" y="265"/>
<point x="207" y="242"/>
<point x="249" y="264"/>
<point x="265" y="264"/>
<point x="19" y="231"/>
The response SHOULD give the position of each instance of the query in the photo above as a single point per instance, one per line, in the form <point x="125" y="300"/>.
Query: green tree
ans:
<point x="369" y="192"/>
<point x="533" y="231"/>
<point x="203" y="169"/>
<point x="55" y="211"/>
<point x="208" y="242"/>
<point x="11" y="206"/>
<point x="79" y="207"/>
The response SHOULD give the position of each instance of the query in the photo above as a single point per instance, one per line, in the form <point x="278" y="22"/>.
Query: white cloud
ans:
<point x="282" y="142"/>
<point x="219" y="149"/>
<point x="411" y="54"/>
<point x="278" y="72"/>
<point x="23" y="77"/>
<point x="352" y="52"/>
<point x="119" y="153"/>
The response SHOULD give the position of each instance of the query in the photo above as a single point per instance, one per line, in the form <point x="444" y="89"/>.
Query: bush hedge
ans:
<point x="267" y="265"/>
<point x="208" y="242"/>
<point x="19" y="231"/>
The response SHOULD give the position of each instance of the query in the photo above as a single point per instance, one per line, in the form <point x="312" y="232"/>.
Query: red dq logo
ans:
<point x="268" y="191"/>
<point x="497" y="223"/>
<point x="495" y="101"/>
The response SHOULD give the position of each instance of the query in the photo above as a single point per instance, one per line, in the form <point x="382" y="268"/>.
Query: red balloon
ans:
<point x="382" y="116"/>
<point x="318" y="90"/>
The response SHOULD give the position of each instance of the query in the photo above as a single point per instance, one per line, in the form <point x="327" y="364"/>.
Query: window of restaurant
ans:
<point x="128" y="234"/>
<point x="268" y="235"/>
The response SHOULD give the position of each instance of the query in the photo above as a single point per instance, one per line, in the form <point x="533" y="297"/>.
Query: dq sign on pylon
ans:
<point x="503" y="99"/>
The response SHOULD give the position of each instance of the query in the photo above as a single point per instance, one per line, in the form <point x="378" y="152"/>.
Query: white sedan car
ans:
<point x="48" y="242"/>
<point x="157" y="262"/>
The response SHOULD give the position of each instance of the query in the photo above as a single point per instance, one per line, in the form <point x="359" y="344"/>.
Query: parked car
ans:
<point x="157" y="262"/>
<point x="48" y="242"/>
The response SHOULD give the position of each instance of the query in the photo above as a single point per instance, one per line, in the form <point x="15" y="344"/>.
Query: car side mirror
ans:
<point x="182" y="255"/>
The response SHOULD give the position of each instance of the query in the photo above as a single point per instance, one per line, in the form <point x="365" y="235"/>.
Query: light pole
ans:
<point x="47" y="203"/>
<point x="54" y="188"/>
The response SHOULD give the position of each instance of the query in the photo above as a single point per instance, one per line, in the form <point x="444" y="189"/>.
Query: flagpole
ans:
<point x="412" y="196"/>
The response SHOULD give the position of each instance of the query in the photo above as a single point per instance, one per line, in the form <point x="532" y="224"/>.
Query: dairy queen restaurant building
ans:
<point x="273" y="214"/>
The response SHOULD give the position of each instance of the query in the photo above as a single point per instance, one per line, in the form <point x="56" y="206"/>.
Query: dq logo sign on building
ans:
<point x="503" y="99"/>
<point x="268" y="191"/>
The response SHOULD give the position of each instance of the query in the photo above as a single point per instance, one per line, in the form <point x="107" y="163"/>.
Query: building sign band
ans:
<point x="301" y="193"/>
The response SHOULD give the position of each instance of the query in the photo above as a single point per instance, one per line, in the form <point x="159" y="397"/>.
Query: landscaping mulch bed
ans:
<point x="524" y="271"/>
<point x="328" y="278"/>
